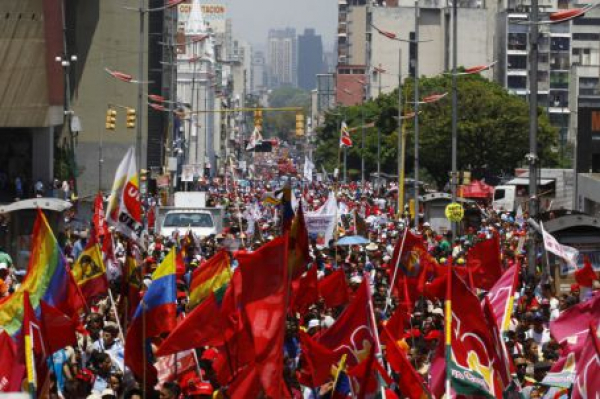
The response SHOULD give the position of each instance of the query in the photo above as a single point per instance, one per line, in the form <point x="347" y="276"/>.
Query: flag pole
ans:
<point x="237" y="203"/>
<point x="29" y="362"/>
<point x="375" y="334"/>
<point x="389" y="294"/>
<point x="114" y="309"/>
<point x="144" y="357"/>
<point x="448" y="330"/>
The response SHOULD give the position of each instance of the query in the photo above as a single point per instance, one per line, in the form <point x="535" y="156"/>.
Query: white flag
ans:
<point x="569" y="254"/>
<point x="124" y="210"/>
<point x="308" y="168"/>
<point x="255" y="139"/>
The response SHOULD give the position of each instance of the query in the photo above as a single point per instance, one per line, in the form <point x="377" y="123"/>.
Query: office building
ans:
<point x="310" y="59"/>
<point x="282" y="56"/>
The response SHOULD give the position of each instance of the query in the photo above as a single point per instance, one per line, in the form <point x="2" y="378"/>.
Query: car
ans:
<point x="201" y="223"/>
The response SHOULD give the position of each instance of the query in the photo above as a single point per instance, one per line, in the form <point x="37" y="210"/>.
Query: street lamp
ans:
<point x="66" y="61"/>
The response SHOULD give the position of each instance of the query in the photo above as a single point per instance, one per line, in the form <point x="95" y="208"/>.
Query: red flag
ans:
<point x="586" y="275"/>
<point x="352" y="332"/>
<point x="264" y="289"/>
<point x="11" y="371"/>
<point x="98" y="220"/>
<point x="409" y="382"/>
<point x="306" y="291"/>
<point x="501" y="297"/>
<point x="58" y="329"/>
<point x="238" y="349"/>
<point x="436" y="289"/>
<point x="33" y="345"/>
<point x="363" y="373"/>
<point x="571" y="327"/>
<point x="317" y="361"/>
<point x="334" y="289"/>
<point x="437" y="371"/>
<point x="187" y="335"/>
<point x="246" y="384"/>
<point x="504" y="366"/>
<point x="473" y="346"/>
<point x="299" y="253"/>
<point x="412" y="263"/>
<point x="398" y="322"/>
<point x="587" y="383"/>
<point x="483" y="262"/>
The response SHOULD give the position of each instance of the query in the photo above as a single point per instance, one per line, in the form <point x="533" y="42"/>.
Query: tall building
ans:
<point x="258" y="75"/>
<point x="310" y="59"/>
<point x="282" y="57"/>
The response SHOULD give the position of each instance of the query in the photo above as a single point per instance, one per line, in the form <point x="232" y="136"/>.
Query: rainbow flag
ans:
<point x="156" y="314"/>
<point x="213" y="276"/>
<point x="47" y="279"/>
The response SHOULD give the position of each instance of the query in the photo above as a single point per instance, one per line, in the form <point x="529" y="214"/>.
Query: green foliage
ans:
<point x="283" y="124"/>
<point x="493" y="130"/>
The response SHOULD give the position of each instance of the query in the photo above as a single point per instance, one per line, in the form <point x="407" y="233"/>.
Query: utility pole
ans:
<point x="532" y="157"/>
<point x="401" y="148"/>
<point x="416" y="185"/>
<point x="453" y="180"/>
<point x="379" y="135"/>
<point x="140" y="103"/>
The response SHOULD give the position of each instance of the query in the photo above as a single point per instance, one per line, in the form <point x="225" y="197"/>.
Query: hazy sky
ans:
<point x="252" y="19"/>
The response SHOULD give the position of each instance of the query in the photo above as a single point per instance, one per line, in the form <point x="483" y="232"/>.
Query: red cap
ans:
<point x="433" y="334"/>
<point x="574" y="287"/>
<point x="210" y="354"/>
<point x="181" y="295"/>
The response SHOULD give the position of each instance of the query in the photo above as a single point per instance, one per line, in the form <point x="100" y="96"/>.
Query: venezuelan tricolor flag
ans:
<point x="155" y="315"/>
<point x="47" y="279"/>
<point x="212" y="276"/>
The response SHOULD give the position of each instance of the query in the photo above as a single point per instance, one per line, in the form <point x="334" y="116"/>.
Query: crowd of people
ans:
<point x="95" y="367"/>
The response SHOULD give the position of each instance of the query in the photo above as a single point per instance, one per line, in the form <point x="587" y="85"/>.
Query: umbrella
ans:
<point x="352" y="240"/>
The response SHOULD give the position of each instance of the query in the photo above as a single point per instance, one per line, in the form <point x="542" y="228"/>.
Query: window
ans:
<point x="517" y="82"/>
<point x="559" y="80"/>
<point x="499" y="194"/>
<point x="560" y="43"/>
<point x="517" y="41"/>
<point x="188" y="220"/>
<point x="586" y="36"/>
<point x="517" y="62"/>
<point x="586" y="21"/>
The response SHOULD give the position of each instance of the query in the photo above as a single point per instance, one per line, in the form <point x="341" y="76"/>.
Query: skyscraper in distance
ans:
<point x="282" y="57"/>
<point x="310" y="59"/>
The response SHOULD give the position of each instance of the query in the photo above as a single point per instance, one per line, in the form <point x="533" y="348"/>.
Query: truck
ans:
<point x="190" y="213"/>
<point x="555" y="190"/>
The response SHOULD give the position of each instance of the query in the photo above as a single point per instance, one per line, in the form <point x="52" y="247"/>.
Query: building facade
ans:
<point x="310" y="59"/>
<point x="282" y="57"/>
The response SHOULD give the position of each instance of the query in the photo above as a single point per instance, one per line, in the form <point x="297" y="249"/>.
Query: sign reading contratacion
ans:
<point x="454" y="212"/>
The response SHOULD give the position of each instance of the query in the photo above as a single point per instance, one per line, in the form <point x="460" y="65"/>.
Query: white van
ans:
<point x="200" y="222"/>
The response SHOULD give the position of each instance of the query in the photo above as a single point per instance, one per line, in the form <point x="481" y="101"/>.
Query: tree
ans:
<point x="281" y="124"/>
<point x="492" y="137"/>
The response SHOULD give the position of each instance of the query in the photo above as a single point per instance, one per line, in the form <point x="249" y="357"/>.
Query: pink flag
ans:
<point x="587" y="383"/>
<point x="502" y="295"/>
<point x="571" y="327"/>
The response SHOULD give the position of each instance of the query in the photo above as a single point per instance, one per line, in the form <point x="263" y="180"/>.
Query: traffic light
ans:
<point x="299" y="124"/>
<point x="111" y="119"/>
<point x="258" y="119"/>
<point x="130" y="118"/>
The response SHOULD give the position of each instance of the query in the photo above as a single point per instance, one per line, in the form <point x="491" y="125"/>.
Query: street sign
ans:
<point x="454" y="212"/>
